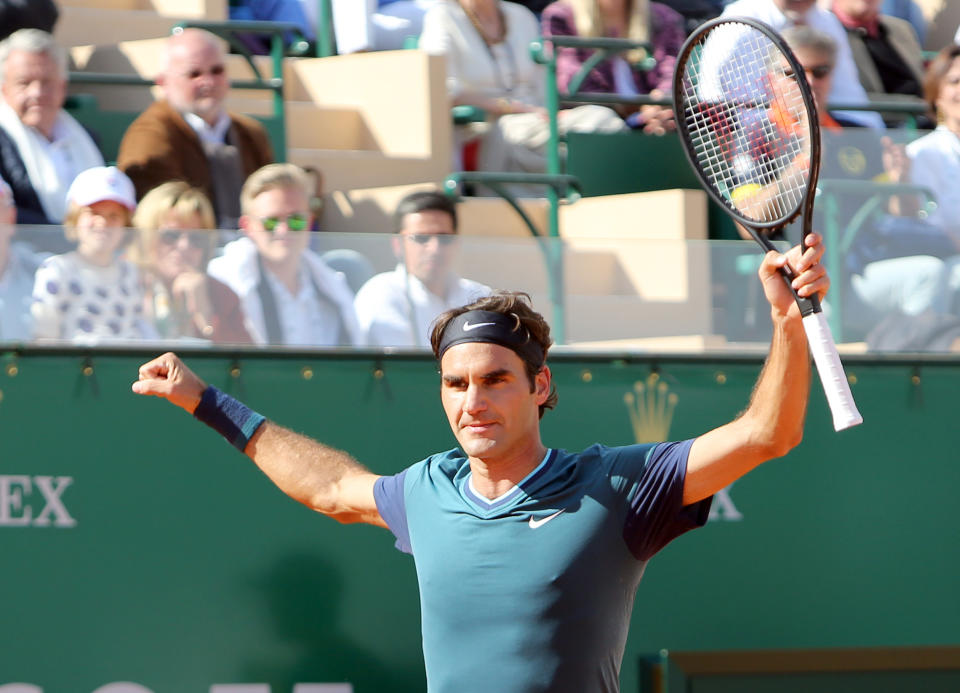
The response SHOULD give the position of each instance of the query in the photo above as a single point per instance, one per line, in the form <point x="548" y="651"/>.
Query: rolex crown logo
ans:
<point x="650" y="406"/>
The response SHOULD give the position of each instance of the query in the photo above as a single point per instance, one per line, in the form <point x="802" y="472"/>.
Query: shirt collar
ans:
<point x="869" y="27"/>
<point x="206" y="133"/>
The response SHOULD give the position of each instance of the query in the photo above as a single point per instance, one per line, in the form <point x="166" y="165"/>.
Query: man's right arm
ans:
<point x="321" y="477"/>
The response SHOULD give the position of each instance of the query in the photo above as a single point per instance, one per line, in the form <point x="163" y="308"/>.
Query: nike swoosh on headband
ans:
<point x="467" y="326"/>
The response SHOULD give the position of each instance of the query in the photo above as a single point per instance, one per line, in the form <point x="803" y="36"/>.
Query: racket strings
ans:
<point x="747" y="121"/>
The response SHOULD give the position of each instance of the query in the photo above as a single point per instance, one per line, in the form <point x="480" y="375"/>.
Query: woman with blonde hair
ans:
<point x="637" y="20"/>
<point x="177" y="238"/>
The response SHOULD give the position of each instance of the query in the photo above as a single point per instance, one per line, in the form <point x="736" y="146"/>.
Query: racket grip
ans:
<point x="832" y="377"/>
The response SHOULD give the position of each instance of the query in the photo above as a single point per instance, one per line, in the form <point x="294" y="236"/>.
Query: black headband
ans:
<point x="492" y="328"/>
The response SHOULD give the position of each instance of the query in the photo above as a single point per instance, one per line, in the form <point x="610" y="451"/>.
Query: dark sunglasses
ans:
<point x="424" y="238"/>
<point x="214" y="71"/>
<point x="196" y="240"/>
<point x="819" y="71"/>
<point x="295" y="222"/>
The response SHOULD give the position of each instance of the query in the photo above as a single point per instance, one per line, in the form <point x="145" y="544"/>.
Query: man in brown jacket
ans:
<point x="189" y="135"/>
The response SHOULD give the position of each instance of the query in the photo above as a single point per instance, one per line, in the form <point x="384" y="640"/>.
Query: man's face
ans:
<point x="195" y="80"/>
<point x="486" y="396"/>
<point x="864" y="10"/>
<point x="426" y="245"/>
<point x="281" y="209"/>
<point x="819" y="71"/>
<point x="794" y="8"/>
<point x="34" y="88"/>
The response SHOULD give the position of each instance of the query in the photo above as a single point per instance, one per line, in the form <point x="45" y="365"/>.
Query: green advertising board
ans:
<point x="141" y="553"/>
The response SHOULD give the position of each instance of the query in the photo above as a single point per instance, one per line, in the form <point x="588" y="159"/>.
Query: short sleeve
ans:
<point x="656" y="515"/>
<point x="391" y="504"/>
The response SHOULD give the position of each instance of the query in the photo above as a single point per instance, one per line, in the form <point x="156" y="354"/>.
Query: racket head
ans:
<point x="748" y="122"/>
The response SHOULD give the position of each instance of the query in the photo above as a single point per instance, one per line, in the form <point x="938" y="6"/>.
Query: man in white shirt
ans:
<point x="396" y="308"/>
<point x="189" y="135"/>
<point x="780" y="14"/>
<point x="288" y="295"/>
<point x="42" y="148"/>
<point x="17" y="266"/>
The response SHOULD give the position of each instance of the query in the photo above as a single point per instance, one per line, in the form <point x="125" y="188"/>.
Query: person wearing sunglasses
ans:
<point x="189" y="135"/>
<point x="288" y="294"/>
<point x="396" y="308"/>
<point x="175" y="223"/>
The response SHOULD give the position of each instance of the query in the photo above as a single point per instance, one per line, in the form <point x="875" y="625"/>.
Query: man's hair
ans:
<point x="424" y="201"/>
<point x="271" y="177"/>
<point x="176" y="39"/>
<point x="936" y="71"/>
<point x="32" y="41"/>
<point x="806" y="37"/>
<point x="515" y="304"/>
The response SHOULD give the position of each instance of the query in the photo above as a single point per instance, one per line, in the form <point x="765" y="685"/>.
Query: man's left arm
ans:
<point x="773" y="422"/>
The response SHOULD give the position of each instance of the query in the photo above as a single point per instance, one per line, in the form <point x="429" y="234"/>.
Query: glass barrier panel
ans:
<point x="322" y="290"/>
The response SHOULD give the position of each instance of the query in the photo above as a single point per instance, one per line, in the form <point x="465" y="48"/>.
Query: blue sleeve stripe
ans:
<point x="657" y="515"/>
<point x="388" y="492"/>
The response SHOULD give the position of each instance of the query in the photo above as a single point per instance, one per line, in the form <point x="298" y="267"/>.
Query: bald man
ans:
<point x="189" y="135"/>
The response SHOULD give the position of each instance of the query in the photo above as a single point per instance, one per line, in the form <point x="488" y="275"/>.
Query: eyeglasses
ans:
<point x="196" y="240"/>
<point x="818" y="71"/>
<point x="424" y="238"/>
<point x="294" y="222"/>
<point x="214" y="71"/>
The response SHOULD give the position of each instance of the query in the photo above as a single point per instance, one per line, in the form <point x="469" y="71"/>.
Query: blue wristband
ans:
<point x="229" y="417"/>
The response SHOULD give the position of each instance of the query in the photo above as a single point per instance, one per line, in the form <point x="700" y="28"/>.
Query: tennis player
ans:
<point x="527" y="557"/>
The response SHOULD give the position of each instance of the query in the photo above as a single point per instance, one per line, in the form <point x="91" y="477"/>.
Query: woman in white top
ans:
<point x="935" y="158"/>
<point x="487" y="46"/>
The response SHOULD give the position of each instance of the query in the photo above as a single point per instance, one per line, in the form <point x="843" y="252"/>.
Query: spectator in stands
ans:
<point x="42" y="148"/>
<point x="27" y="14"/>
<point x="633" y="19"/>
<point x="897" y="263"/>
<point x="936" y="156"/>
<point x="189" y="135"/>
<point x="362" y="25"/>
<point x="288" y="295"/>
<point x="396" y="308"/>
<point x="885" y="49"/>
<point x="175" y="222"/>
<point x="780" y="14"/>
<point x="90" y="295"/>
<point x="18" y="263"/>
<point x="486" y="43"/>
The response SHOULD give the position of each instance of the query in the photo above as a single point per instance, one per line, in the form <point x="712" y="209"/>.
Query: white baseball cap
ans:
<point x="102" y="183"/>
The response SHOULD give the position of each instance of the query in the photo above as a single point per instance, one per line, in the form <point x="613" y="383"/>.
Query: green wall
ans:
<point x="186" y="568"/>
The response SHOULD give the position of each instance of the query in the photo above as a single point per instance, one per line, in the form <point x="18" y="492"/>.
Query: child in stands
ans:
<point x="92" y="295"/>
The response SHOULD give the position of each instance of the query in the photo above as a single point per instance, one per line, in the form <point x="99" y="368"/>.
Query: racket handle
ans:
<point x="834" y="380"/>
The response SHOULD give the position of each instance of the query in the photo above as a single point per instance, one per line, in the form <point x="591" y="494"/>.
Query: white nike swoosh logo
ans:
<point x="467" y="326"/>
<point x="539" y="523"/>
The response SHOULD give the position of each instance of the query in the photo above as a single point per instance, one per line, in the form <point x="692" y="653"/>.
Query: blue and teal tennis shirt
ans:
<point x="532" y="592"/>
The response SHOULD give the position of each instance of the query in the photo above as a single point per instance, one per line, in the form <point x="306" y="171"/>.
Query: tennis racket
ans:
<point x="749" y="126"/>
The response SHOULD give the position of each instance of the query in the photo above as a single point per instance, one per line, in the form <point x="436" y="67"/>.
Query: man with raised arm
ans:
<point x="527" y="557"/>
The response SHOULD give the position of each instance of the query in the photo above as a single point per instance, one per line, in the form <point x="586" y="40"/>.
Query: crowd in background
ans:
<point x="196" y="234"/>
